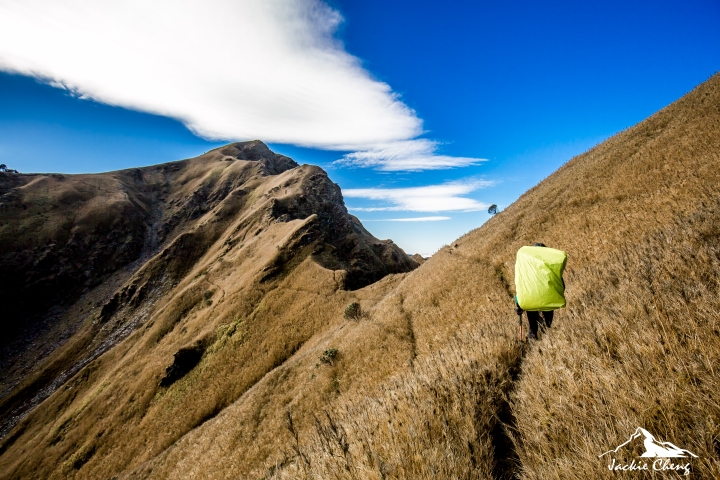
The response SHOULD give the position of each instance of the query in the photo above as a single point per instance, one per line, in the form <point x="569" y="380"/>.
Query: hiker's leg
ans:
<point x="548" y="318"/>
<point x="533" y="318"/>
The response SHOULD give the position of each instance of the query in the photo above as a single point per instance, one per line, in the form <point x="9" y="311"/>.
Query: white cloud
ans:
<point x="228" y="69"/>
<point x="410" y="219"/>
<point x="431" y="198"/>
<point x="408" y="155"/>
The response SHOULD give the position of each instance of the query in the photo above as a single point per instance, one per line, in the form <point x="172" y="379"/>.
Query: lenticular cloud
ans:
<point x="268" y="69"/>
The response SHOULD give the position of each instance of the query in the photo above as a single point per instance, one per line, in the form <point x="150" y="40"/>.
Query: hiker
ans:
<point x="539" y="285"/>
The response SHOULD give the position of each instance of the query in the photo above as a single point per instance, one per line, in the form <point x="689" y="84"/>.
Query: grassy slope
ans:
<point x="246" y="289"/>
<point x="638" y="345"/>
<point x="424" y="381"/>
<point x="101" y="202"/>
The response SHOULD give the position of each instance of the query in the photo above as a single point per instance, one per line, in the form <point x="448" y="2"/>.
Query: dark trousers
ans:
<point x="536" y="319"/>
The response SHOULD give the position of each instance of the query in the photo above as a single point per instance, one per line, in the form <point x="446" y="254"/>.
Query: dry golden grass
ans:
<point x="639" y="344"/>
<point x="113" y="416"/>
<point x="430" y="383"/>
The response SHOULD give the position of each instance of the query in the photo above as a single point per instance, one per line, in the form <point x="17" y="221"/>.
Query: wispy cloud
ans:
<point x="419" y="154"/>
<point x="431" y="198"/>
<point x="231" y="70"/>
<point x="410" y="219"/>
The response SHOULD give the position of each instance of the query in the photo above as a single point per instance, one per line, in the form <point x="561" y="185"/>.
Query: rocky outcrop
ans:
<point x="343" y="243"/>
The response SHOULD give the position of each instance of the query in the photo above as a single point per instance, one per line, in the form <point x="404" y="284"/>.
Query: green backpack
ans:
<point x="538" y="278"/>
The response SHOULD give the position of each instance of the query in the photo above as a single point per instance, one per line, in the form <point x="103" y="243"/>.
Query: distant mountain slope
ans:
<point x="429" y="381"/>
<point x="89" y="259"/>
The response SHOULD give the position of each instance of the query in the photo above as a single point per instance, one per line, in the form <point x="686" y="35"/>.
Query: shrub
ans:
<point x="353" y="311"/>
<point x="207" y="295"/>
<point x="329" y="355"/>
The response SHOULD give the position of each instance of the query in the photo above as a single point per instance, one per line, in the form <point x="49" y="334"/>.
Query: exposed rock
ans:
<point x="353" y="248"/>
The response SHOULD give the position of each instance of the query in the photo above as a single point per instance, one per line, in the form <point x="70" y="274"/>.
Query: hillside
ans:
<point x="89" y="260"/>
<point x="429" y="381"/>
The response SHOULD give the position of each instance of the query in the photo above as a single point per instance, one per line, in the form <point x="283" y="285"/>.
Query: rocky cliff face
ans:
<point x="342" y="243"/>
<point x="85" y="258"/>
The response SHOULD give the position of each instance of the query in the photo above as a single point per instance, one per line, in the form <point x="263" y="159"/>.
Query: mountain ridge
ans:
<point x="163" y="234"/>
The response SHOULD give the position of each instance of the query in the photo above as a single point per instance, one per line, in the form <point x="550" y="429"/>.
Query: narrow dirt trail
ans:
<point x="507" y="462"/>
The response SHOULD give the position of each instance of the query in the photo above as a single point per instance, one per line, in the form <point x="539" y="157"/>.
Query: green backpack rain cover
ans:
<point x="538" y="278"/>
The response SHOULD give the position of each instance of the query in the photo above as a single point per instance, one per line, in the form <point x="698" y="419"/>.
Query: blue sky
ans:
<point x="419" y="110"/>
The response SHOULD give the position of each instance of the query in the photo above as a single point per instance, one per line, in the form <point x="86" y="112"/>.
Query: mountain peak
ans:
<point x="257" y="151"/>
